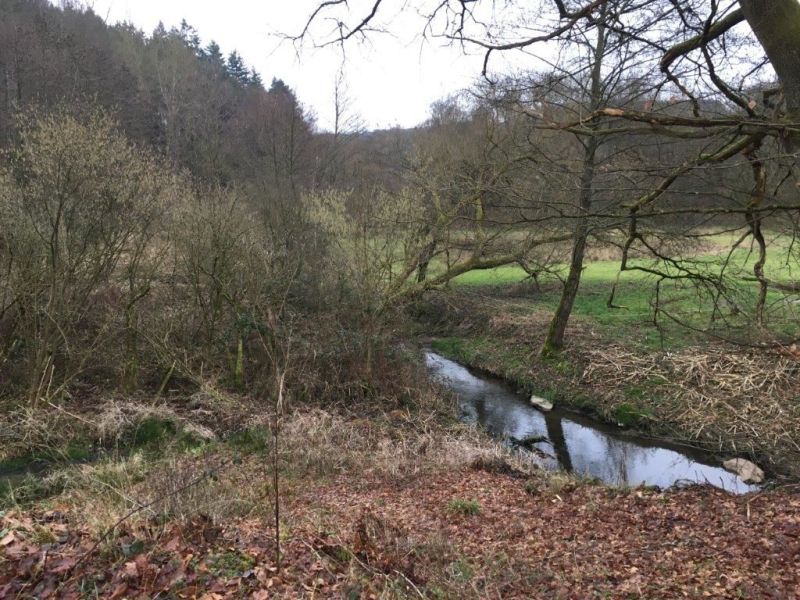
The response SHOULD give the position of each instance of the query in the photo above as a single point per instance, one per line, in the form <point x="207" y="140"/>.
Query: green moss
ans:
<point x="230" y="564"/>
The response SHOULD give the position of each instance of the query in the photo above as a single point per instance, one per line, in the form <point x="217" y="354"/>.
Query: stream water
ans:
<point x="577" y="443"/>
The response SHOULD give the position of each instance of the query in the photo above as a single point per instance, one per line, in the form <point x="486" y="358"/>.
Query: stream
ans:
<point x="577" y="443"/>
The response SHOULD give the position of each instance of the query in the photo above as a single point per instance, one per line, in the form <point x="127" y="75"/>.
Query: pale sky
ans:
<point x="392" y="79"/>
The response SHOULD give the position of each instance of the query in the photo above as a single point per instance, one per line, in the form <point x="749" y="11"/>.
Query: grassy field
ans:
<point x="635" y="297"/>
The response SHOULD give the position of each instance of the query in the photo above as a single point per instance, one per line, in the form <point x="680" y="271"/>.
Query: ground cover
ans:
<point x="391" y="506"/>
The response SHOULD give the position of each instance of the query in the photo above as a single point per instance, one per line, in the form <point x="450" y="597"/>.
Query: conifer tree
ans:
<point x="236" y="68"/>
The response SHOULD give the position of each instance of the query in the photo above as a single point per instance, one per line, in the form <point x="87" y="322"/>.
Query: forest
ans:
<point x="545" y="344"/>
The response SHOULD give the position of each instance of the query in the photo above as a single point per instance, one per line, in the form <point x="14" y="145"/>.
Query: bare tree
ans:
<point x="717" y="99"/>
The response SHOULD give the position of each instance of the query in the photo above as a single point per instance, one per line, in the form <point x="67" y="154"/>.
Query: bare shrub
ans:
<point x="80" y="204"/>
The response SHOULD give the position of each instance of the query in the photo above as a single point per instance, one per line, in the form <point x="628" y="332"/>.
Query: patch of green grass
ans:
<point x="22" y="490"/>
<point x="74" y="451"/>
<point x="630" y="415"/>
<point x="563" y="366"/>
<point x="154" y="435"/>
<point x="631" y="314"/>
<point x="464" y="507"/>
<point x="634" y="392"/>
<point x="466" y="350"/>
<point x="645" y="390"/>
<point x="251" y="441"/>
<point x="152" y="431"/>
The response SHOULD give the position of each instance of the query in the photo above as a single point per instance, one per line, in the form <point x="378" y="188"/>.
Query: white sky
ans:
<point x="391" y="79"/>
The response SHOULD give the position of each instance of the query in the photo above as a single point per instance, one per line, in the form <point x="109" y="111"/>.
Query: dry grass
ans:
<point x="35" y="431"/>
<point x="748" y="402"/>
<point x="223" y="480"/>
<point x="119" y="419"/>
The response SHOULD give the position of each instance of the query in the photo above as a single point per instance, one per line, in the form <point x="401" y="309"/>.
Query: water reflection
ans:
<point x="576" y="443"/>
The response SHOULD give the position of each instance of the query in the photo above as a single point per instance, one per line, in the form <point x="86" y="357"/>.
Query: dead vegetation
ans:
<point x="143" y="452"/>
<point x="386" y="538"/>
<point x="729" y="398"/>
<point x="400" y="503"/>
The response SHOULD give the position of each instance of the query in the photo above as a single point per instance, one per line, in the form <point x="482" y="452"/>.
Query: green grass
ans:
<point x="465" y="350"/>
<point x="464" y="507"/>
<point x="255" y="440"/>
<point x="154" y="436"/>
<point x="635" y="298"/>
<point x="630" y="414"/>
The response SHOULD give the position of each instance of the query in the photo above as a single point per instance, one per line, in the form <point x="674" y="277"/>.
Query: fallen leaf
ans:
<point x="130" y="570"/>
<point x="9" y="539"/>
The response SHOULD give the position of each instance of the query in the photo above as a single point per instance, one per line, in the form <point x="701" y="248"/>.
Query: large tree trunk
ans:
<point x="776" y="24"/>
<point x="554" y="341"/>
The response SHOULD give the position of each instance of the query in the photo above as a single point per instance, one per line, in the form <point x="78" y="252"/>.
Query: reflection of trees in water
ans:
<point x="594" y="452"/>
<point x="502" y="414"/>
<point x="620" y="454"/>
<point x="468" y="413"/>
<point x="555" y="431"/>
<point x="487" y="414"/>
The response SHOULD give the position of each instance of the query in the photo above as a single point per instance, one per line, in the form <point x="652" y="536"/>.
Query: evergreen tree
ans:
<point x="190" y="37"/>
<point x="279" y="87"/>
<point x="237" y="69"/>
<point x="255" y="79"/>
<point x="160" y="32"/>
<point x="213" y="55"/>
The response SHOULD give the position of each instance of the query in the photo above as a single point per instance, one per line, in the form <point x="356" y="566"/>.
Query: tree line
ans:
<point x="167" y="221"/>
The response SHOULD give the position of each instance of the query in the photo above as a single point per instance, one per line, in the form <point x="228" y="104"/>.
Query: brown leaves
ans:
<point x="10" y="538"/>
<point x="593" y="541"/>
<point x="573" y="541"/>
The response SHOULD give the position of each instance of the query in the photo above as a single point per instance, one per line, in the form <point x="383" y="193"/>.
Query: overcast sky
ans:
<point x="393" y="79"/>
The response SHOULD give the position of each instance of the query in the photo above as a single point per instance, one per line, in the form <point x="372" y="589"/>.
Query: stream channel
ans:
<point x="574" y="442"/>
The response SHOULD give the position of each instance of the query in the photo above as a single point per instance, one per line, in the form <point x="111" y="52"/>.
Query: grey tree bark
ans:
<point x="554" y="341"/>
<point x="776" y="24"/>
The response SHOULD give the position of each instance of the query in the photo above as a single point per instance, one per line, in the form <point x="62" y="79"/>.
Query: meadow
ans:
<point x="687" y="311"/>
